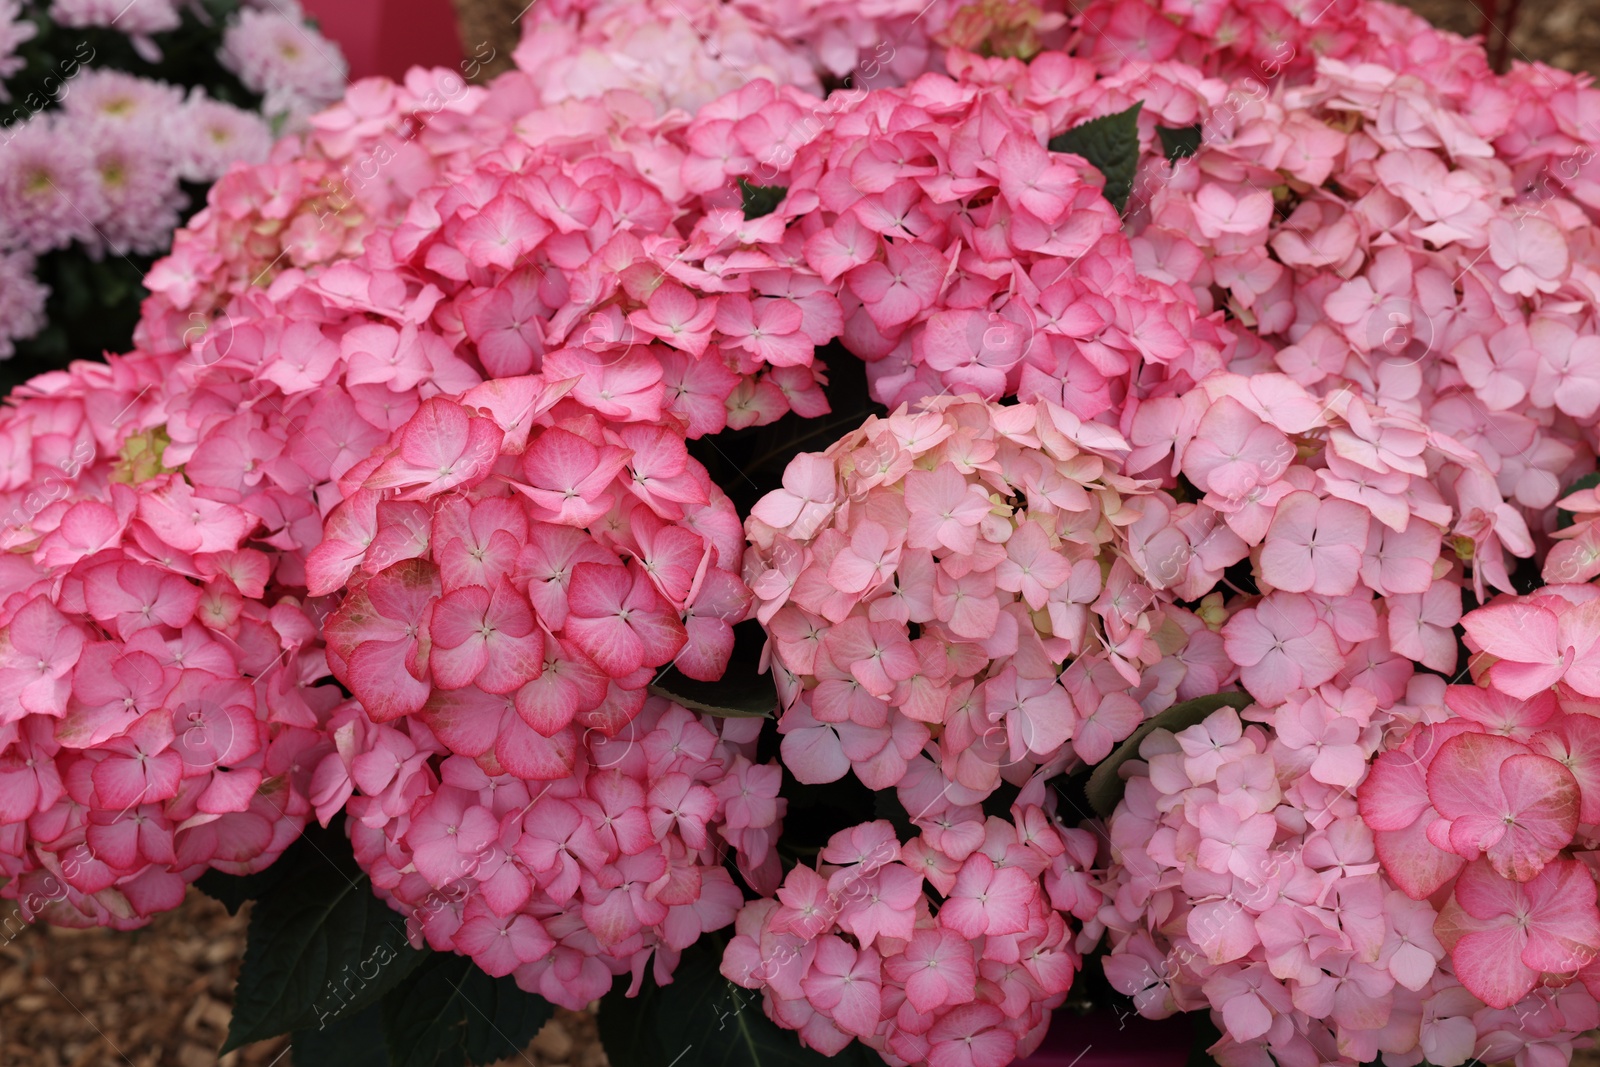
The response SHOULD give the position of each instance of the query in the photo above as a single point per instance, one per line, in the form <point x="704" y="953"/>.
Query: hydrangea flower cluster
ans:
<point x="161" y="695"/>
<point x="562" y="883"/>
<point x="573" y="269"/>
<point x="967" y="257"/>
<point x="1498" y="803"/>
<point x="1419" y="235"/>
<point x="1244" y="879"/>
<point x="683" y="55"/>
<point x="96" y="157"/>
<point x="929" y="576"/>
<point x="1264" y="39"/>
<point x="312" y="204"/>
<point x="520" y="569"/>
<point x="963" y="974"/>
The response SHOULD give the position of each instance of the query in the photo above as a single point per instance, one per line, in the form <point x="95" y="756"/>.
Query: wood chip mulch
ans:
<point x="161" y="997"/>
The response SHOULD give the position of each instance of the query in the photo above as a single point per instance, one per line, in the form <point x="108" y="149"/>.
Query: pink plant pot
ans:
<point x="389" y="37"/>
<point x="1100" y="1039"/>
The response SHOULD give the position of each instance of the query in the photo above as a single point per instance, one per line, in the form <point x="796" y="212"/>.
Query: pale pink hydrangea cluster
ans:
<point x="961" y="972"/>
<point x="612" y="867"/>
<point x="311" y="204"/>
<point x="1245" y="880"/>
<point x="1423" y="242"/>
<point x="959" y="580"/>
<point x="676" y="55"/>
<point x="520" y="570"/>
<point x="967" y="257"/>
<point x="1265" y="39"/>
<point x="161" y="695"/>
<point x="682" y="55"/>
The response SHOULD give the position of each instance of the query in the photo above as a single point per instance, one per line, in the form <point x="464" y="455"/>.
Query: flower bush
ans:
<point x="116" y="116"/>
<point x="887" y="521"/>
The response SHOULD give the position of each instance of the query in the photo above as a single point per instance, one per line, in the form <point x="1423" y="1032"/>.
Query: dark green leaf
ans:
<point x="1111" y="144"/>
<point x="448" y="1013"/>
<point x="1105" y="785"/>
<point x="234" y="890"/>
<point x="321" y="947"/>
<point x="353" y="1042"/>
<point x="761" y="200"/>
<point x="1588" y="481"/>
<point x="1179" y="141"/>
<point x="1206" y="1034"/>
<point x="740" y="693"/>
<point x="704" y="1020"/>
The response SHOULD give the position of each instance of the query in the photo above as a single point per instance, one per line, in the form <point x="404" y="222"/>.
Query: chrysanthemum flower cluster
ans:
<point x="96" y="158"/>
<point x="857" y="948"/>
<point x="520" y="569"/>
<point x="613" y="866"/>
<point x="162" y="689"/>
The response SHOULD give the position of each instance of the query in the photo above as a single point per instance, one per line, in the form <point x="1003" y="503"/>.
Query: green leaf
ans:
<point x="1106" y="786"/>
<point x="234" y="890"/>
<point x="1206" y="1034"/>
<point x="1111" y="144"/>
<point x="448" y="1013"/>
<point x="741" y="693"/>
<point x="321" y="947"/>
<point x="1179" y="141"/>
<point x="356" y="1041"/>
<point x="704" y="1020"/>
<point x="761" y="200"/>
<point x="1567" y="518"/>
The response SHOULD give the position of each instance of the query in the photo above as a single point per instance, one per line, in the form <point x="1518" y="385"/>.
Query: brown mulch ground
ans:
<point x="161" y="997"/>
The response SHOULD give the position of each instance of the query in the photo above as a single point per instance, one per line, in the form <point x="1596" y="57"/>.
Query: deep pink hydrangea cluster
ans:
<point x="962" y="576"/>
<point x="520" y="570"/>
<point x="1244" y="879"/>
<point x="967" y="257"/>
<point x="949" y="949"/>
<point x="574" y="269"/>
<point x="161" y="681"/>
<point x="562" y="883"/>
<point x="1500" y="803"/>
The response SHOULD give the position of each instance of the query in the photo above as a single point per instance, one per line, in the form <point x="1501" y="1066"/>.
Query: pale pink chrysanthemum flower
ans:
<point x="295" y="69"/>
<point x="143" y="17"/>
<point x="139" y="187"/>
<point x="22" y="299"/>
<point x="49" y="194"/>
<point x="104" y="95"/>
<point x="208" y="136"/>
<point x="15" y="31"/>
